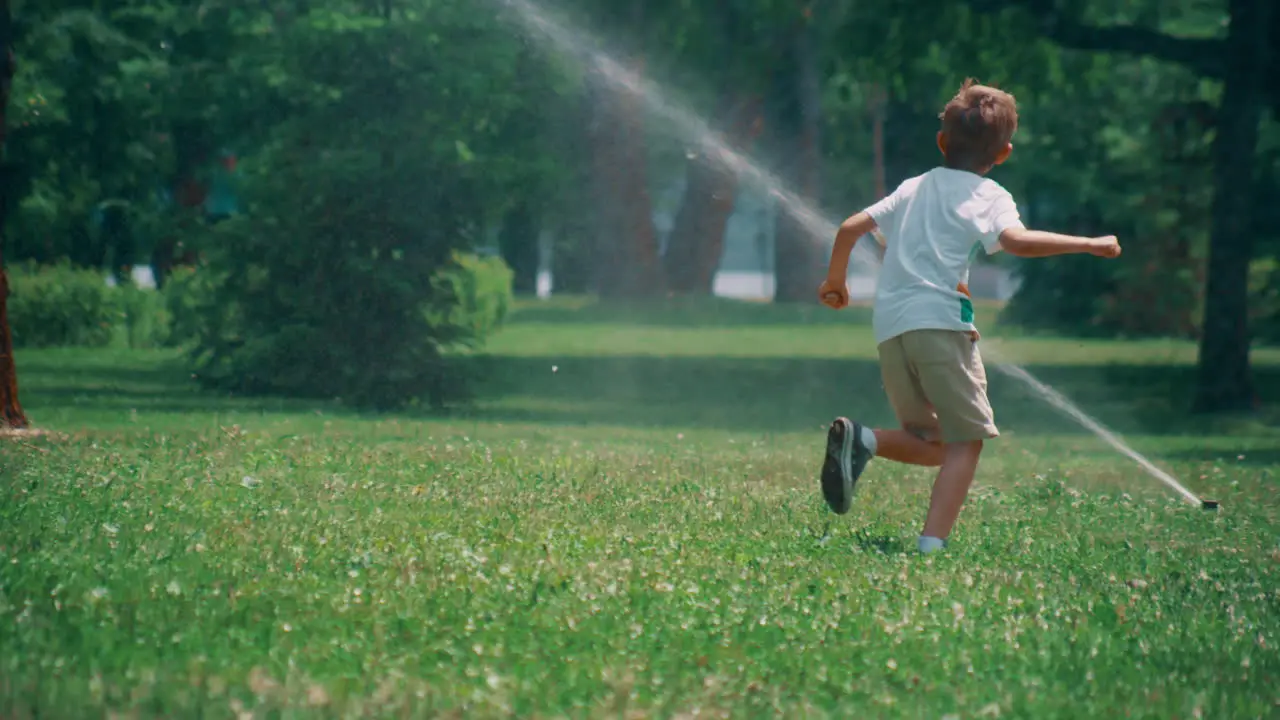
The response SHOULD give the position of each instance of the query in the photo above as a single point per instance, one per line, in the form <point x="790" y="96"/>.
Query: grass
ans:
<point x="626" y="524"/>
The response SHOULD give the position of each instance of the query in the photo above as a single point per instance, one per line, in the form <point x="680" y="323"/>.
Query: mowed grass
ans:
<point x="626" y="523"/>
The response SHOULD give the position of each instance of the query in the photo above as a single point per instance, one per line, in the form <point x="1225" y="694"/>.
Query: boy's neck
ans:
<point x="980" y="172"/>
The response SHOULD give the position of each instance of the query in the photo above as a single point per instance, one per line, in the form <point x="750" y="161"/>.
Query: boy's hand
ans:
<point x="834" y="294"/>
<point x="1106" y="247"/>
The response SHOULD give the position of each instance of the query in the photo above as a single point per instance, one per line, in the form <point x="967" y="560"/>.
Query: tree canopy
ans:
<point x="323" y="159"/>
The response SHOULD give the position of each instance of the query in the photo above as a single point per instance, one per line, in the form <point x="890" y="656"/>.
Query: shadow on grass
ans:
<point x="779" y="395"/>
<point x="147" y="381"/>
<point x="723" y="393"/>
<point x="686" y="312"/>
<point x="679" y="312"/>
<point x="883" y="544"/>
<point x="1244" y="457"/>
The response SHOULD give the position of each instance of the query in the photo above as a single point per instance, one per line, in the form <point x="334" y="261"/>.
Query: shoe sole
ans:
<point x="837" y="467"/>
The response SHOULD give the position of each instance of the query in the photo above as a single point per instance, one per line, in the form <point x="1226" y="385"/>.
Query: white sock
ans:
<point x="930" y="544"/>
<point x="869" y="440"/>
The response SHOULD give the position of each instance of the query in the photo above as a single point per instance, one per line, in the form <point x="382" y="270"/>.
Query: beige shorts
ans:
<point x="937" y="385"/>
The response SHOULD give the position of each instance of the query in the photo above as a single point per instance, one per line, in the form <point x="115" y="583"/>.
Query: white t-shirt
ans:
<point x="934" y="225"/>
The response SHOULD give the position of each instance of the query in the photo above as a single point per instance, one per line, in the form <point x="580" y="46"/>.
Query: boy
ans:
<point x="933" y="226"/>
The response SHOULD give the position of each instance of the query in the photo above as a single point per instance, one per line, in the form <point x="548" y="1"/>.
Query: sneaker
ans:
<point x="846" y="458"/>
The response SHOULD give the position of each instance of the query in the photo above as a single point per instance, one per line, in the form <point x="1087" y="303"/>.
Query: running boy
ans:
<point x="933" y="226"/>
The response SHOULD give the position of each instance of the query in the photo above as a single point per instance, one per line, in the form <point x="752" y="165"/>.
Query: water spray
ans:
<point x="1068" y="408"/>
<point x="569" y="40"/>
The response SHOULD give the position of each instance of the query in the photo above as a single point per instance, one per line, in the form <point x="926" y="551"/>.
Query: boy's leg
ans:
<point x="951" y="488"/>
<point x="907" y="447"/>
<point x="918" y="442"/>
<point x="951" y="374"/>
<point x="850" y="446"/>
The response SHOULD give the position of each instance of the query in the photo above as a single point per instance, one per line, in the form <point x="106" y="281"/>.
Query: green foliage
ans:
<point x="1264" y="307"/>
<point x="143" y="319"/>
<point x="62" y="306"/>
<point x="324" y="287"/>
<point x="473" y="298"/>
<point x="190" y="303"/>
<point x="1062" y="294"/>
<point x="85" y="134"/>
<point x="115" y="103"/>
<point x="52" y="306"/>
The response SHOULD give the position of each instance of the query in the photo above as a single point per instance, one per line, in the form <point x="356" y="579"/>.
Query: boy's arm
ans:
<point x="1035" y="243"/>
<point x="846" y="237"/>
<point x="834" y="291"/>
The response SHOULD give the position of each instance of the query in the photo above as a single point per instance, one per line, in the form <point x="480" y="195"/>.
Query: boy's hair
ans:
<point x="979" y="123"/>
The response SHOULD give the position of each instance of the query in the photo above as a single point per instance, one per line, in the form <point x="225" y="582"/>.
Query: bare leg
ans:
<point x="951" y="487"/>
<point x="906" y="447"/>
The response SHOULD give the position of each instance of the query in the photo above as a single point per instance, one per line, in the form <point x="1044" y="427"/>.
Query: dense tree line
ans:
<point x="372" y="139"/>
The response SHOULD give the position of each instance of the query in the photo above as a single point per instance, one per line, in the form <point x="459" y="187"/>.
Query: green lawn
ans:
<point x="626" y="523"/>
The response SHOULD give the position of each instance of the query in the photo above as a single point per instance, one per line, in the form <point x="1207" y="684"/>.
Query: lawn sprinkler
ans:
<point x="1209" y="504"/>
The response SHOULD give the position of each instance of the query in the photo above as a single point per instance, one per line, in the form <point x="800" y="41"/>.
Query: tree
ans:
<point x="626" y="242"/>
<point x="696" y="241"/>
<point x="528" y="138"/>
<point x="518" y="242"/>
<point x="329" y="285"/>
<point x="11" y="414"/>
<point x="1224" y="377"/>
<point x="84" y="127"/>
<point x="1242" y="62"/>
<point x="797" y="126"/>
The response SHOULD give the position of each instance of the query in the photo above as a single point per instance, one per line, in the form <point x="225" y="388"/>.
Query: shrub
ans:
<point x="189" y="303"/>
<point x="58" y="305"/>
<point x="341" y="278"/>
<point x="142" y="320"/>
<point x="476" y="294"/>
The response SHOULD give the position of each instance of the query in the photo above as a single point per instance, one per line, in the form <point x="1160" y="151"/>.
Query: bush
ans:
<point x="328" y="310"/>
<point x="189" y="304"/>
<point x="63" y="306"/>
<point x="341" y="280"/>
<point x="142" y="318"/>
<point x="476" y="294"/>
<point x="1264" y="304"/>
<point x="58" y="305"/>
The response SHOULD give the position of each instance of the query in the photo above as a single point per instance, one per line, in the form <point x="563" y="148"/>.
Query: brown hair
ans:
<point x="978" y="123"/>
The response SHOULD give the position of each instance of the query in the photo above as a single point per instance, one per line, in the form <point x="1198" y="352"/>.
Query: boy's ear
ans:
<point x="942" y="142"/>
<point x="1004" y="154"/>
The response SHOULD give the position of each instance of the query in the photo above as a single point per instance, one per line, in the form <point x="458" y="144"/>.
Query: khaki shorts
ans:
<point x="937" y="385"/>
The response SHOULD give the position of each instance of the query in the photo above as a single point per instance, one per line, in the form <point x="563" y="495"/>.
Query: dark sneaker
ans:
<point x="846" y="458"/>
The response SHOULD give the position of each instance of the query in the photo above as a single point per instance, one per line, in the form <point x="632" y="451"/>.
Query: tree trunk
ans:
<point x="519" y="242"/>
<point x="627" y="263"/>
<point x="190" y="149"/>
<point x="575" y="222"/>
<point x="1224" y="379"/>
<point x="571" y="255"/>
<point x="626" y="256"/>
<point x="879" y="100"/>
<point x="798" y="256"/>
<point x="11" y="415"/>
<point x="697" y="236"/>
